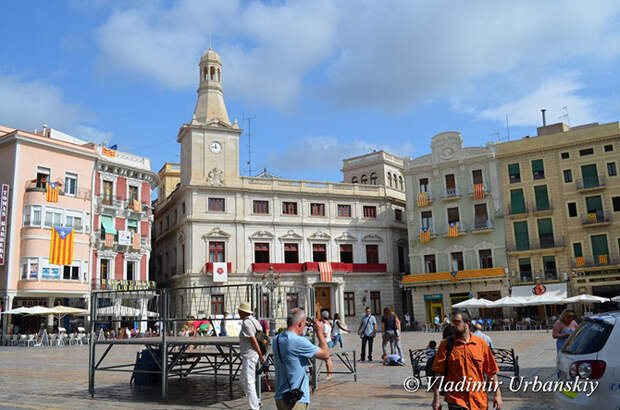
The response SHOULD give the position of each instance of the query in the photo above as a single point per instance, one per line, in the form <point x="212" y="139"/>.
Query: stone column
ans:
<point x="339" y="301"/>
<point x="50" y="318"/>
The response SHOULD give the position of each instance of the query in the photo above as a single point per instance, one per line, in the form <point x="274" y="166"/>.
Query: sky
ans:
<point x="322" y="80"/>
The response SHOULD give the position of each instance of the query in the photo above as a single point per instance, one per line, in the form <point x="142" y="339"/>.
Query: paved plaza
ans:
<point x="58" y="378"/>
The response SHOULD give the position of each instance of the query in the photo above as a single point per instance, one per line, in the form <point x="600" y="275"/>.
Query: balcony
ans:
<point x="108" y="206"/>
<point x="209" y="267"/>
<point x="312" y="267"/>
<point x="517" y="213"/>
<point x="481" y="226"/>
<point x="531" y="277"/>
<point x="433" y="233"/>
<point x="596" y="262"/>
<point x="537" y="246"/>
<point x="595" y="219"/>
<point x="34" y="186"/>
<point x="461" y="231"/>
<point x="421" y="201"/>
<point x="449" y="277"/>
<point x="591" y="184"/>
<point x="451" y="194"/>
<point x="485" y="190"/>
<point x="123" y="285"/>
<point x="542" y="210"/>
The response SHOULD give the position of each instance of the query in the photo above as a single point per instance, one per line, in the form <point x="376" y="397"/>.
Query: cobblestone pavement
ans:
<point x="58" y="378"/>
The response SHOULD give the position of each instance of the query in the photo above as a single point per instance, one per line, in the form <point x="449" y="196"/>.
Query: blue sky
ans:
<point x="324" y="79"/>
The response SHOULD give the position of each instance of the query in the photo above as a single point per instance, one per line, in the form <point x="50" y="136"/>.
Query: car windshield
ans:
<point x="590" y="337"/>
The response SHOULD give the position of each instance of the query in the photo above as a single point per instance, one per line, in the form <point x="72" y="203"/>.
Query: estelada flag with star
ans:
<point x="52" y="191"/>
<point x="61" y="248"/>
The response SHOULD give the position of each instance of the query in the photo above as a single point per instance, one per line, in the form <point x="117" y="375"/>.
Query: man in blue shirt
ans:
<point x="367" y="331"/>
<point x="291" y="352"/>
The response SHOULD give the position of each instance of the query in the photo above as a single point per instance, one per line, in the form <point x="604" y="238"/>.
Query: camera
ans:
<point x="309" y="322"/>
<point x="264" y="367"/>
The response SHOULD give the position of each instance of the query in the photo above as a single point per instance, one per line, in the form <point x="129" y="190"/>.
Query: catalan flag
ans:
<point x="478" y="191"/>
<point x="453" y="230"/>
<point x="425" y="234"/>
<point x="579" y="261"/>
<point x="326" y="271"/>
<point x="108" y="152"/>
<point x="137" y="206"/>
<point x="602" y="259"/>
<point x="52" y="191"/>
<point x="109" y="240"/>
<point x="422" y="198"/>
<point x="61" y="249"/>
<point x="136" y="241"/>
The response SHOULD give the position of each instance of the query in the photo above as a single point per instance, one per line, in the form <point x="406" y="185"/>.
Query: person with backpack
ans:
<point x="251" y="352"/>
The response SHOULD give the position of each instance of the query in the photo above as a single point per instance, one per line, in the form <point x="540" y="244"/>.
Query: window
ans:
<point x="545" y="233"/>
<point x="346" y="253"/>
<point x="372" y="253"/>
<point x="32" y="215"/>
<point x="565" y="155"/>
<point x="289" y="208"/>
<point x="43" y="177"/>
<point x="182" y="258"/>
<point x="550" y="270"/>
<point x="104" y="270"/>
<point x="133" y="194"/>
<point x="615" y="201"/>
<point x="389" y="177"/>
<point x="577" y="250"/>
<point x="594" y="204"/>
<point x="427" y="219"/>
<point x="73" y="220"/>
<point x="30" y="268"/>
<point x="373" y="178"/>
<point x="364" y="179"/>
<point x="261" y="252"/>
<point x="70" y="272"/>
<point x="525" y="269"/>
<point x="261" y="207"/>
<point x="70" y="184"/>
<point x="587" y="151"/>
<point x="611" y="169"/>
<point x="131" y="270"/>
<point x="217" y="204"/>
<point x="590" y="176"/>
<point x="292" y="301"/>
<point x="370" y="212"/>
<point x="486" y="258"/>
<point x="398" y="215"/>
<point x="354" y="180"/>
<point x="542" y="198"/>
<point x="317" y="209"/>
<point x="477" y="176"/>
<point x="517" y="201"/>
<point x="481" y="217"/>
<point x="216" y="252"/>
<point x="568" y="175"/>
<point x="217" y="304"/>
<point x="375" y="302"/>
<point x="319" y="252"/>
<point x="457" y="261"/>
<point x="538" y="169"/>
<point x="400" y="181"/>
<point x="599" y="247"/>
<point x="514" y="173"/>
<point x="609" y="148"/>
<point x="430" y="265"/>
<point x="450" y="185"/>
<point x="183" y="208"/>
<point x="291" y="253"/>
<point x="453" y="215"/>
<point x="349" y="303"/>
<point x="522" y="237"/>
<point x="53" y="217"/>
<point x="572" y="209"/>
<point x="424" y="185"/>
<point x="132" y="225"/>
<point x="108" y="188"/>
<point x="344" y="211"/>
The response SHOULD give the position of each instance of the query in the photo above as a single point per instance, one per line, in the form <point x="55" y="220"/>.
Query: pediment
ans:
<point x="345" y="236"/>
<point x="291" y="236"/>
<point x="216" y="233"/>
<point x="261" y="235"/>
<point x="401" y="241"/>
<point x="371" y="237"/>
<point x="319" y="235"/>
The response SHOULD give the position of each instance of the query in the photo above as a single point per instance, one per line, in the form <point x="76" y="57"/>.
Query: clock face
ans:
<point x="215" y="147"/>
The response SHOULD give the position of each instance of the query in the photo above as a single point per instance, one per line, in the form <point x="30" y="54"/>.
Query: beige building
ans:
<point x="209" y="213"/>
<point x="562" y="195"/>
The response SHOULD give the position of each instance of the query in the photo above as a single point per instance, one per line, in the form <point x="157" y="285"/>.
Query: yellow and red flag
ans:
<point x="326" y="271"/>
<point x="592" y="217"/>
<point x="453" y="230"/>
<point x="602" y="259"/>
<point x="136" y="241"/>
<point x="422" y="198"/>
<point x="108" y="152"/>
<point x="137" y="206"/>
<point x="61" y="248"/>
<point x="425" y="235"/>
<point x="52" y="191"/>
<point x="478" y="191"/>
<point x="580" y="261"/>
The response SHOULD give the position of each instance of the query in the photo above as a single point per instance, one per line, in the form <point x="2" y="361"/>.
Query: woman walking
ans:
<point x="390" y="326"/>
<point x="336" y="328"/>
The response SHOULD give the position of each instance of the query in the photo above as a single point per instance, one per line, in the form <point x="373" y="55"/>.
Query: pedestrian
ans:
<point x="437" y="322"/>
<point x="464" y="356"/>
<point x="336" y="328"/>
<point x="407" y="321"/>
<point x="563" y="327"/>
<point x="250" y="353"/>
<point x="223" y="331"/>
<point x="430" y="352"/>
<point x="477" y="331"/>
<point x="367" y="332"/>
<point x="390" y="332"/>
<point x="291" y="352"/>
<point x="327" y="333"/>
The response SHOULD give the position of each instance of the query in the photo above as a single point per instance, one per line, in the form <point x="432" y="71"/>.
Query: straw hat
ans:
<point x="245" y="307"/>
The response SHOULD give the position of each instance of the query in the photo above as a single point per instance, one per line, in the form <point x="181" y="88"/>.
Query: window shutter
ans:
<point x="517" y="202"/>
<point x="522" y="236"/>
<point x="537" y="165"/>
<point x="599" y="245"/>
<point x="542" y="198"/>
<point x="545" y="227"/>
<point x="577" y="250"/>
<point x="513" y="169"/>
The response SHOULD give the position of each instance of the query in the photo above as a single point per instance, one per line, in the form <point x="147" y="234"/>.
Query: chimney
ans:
<point x="543" y="117"/>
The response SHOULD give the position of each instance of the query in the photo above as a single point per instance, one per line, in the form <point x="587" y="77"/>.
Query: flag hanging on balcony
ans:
<point x="109" y="240"/>
<point x="136" y="240"/>
<point x="425" y="235"/>
<point x="453" y="230"/>
<point x="422" y="198"/>
<point x="579" y="261"/>
<point x="61" y="247"/>
<point x="326" y="271"/>
<point x="52" y="191"/>
<point x="478" y="191"/>
<point x="592" y="217"/>
<point x="108" y="152"/>
<point x="602" y="259"/>
<point x="137" y="206"/>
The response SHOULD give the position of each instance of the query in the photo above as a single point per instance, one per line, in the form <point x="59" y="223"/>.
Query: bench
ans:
<point x="417" y="359"/>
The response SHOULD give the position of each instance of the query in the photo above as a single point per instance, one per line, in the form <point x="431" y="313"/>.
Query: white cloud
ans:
<point x="553" y="95"/>
<point x="91" y="134"/>
<point x="326" y="153"/>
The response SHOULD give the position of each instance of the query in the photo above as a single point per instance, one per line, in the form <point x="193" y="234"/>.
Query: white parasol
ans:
<point x="585" y="298"/>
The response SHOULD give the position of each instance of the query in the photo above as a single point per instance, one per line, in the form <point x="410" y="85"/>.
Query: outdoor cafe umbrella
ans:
<point x="17" y="311"/>
<point x="508" y="301"/>
<point x="616" y="299"/>
<point x="473" y="303"/>
<point x="545" y="299"/>
<point x="585" y="298"/>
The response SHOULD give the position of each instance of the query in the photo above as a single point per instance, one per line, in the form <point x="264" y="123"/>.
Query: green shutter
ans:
<point x="599" y="245"/>
<point x="513" y="169"/>
<point x="589" y="175"/>
<point x="522" y="237"/>
<point x="132" y="223"/>
<point x="545" y="227"/>
<point x="594" y="204"/>
<point x="542" y="198"/>
<point x="577" y="250"/>
<point x="517" y="202"/>
<point x="537" y="166"/>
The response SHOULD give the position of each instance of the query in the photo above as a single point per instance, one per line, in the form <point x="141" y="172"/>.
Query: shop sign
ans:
<point x="436" y="296"/>
<point x="4" y="216"/>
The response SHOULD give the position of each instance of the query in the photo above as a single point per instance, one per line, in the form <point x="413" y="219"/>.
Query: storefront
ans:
<point x="434" y="307"/>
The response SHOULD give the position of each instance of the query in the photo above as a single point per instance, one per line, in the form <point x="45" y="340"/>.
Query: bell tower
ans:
<point x="210" y="143"/>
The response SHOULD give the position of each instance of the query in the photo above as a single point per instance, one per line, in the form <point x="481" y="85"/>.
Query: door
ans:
<point x="434" y="308"/>
<point x="590" y="176"/>
<point x="322" y="299"/>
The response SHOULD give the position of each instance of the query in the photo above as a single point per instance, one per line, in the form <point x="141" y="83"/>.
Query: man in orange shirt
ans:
<point x="470" y="361"/>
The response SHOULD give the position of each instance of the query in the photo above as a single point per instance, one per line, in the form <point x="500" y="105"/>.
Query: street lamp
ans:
<point x="271" y="281"/>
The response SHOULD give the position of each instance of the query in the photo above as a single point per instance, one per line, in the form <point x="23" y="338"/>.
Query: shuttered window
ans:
<point x="577" y="251"/>
<point x="522" y="237"/>
<point x="514" y="173"/>
<point x="542" y="198"/>
<point x="517" y="201"/>
<point x="538" y="169"/>
<point x="545" y="233"/>
<point x="590" y="176"/>
<point x="599" y="245"/>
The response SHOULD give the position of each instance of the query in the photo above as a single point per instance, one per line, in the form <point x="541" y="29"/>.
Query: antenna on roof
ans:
<point x="210" y="40"/>
<point x="565" y="108"/>
<point x="249" y="161"/>
<point x="507" y="128"/>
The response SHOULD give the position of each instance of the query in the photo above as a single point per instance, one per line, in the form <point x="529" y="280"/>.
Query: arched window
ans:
<point x="219" y="78"/>
<point x="373" y="179"/>
<point x="212" y="73"/>
<point x="354" y="180"/>
<point x="206" y="74"/>
<point x="400" y="180"/>
<point x="364" y="179"/>
<point x="389" y="179"/>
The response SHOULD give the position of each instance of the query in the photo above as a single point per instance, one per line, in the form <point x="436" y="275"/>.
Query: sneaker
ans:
<point x="370" y="359"/>
<point x="362" y="359"/>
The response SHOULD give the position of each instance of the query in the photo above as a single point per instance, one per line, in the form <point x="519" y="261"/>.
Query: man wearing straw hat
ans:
<point x="250" y="353"/>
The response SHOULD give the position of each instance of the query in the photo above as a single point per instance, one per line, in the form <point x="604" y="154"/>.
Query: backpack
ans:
<point x="262" y="339"/>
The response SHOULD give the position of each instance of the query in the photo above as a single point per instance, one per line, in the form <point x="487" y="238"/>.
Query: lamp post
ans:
<point x="271" y="281"/>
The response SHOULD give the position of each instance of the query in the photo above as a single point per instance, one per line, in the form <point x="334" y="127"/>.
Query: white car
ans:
<point x="592" y="352"/>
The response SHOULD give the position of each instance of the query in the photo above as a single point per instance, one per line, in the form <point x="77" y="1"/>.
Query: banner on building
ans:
<point x="136" y="205"/>
<point x="52" y="191"/>
<point x="108" y="152"/>
<point x="422" y="198"/>
<point x="478" y="191"/>
<point x="220" y="272"/>
<point x="326" y="272"/>
<point x="4" y="216"/>
<point x="109" y="240"/>
<point x="425" y="234"/>
<point x="61" y="248"/>
<point x="453" y="230"/>
<point x="124" y="238"/>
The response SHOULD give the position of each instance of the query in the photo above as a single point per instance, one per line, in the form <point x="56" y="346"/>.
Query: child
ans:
<point x="430" y="352"/>
<point x="392" y="360"/>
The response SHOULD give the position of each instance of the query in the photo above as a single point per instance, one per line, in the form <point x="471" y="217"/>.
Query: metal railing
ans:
<point x="450" y="193"/>
<point x="536" y="244"/>
<point x="591" y="182"/>
<point x="595" y="218"/>
<point x="510" y="211"/>
<point x="481" y="225"/>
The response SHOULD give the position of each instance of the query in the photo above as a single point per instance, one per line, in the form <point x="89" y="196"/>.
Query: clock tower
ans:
<point x="210" y="143"/>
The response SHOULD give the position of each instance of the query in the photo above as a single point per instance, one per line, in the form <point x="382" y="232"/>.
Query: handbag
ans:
<point x="262" y="339"/>
<point x="292" y="396"/>
<point x="364" y="329"/>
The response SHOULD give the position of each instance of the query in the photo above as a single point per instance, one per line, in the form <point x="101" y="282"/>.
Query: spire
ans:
<point x="210" y="105"/>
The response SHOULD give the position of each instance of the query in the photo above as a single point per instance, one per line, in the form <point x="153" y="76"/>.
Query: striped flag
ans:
<point x="326" y="271"/>
<point x="580" y="261"/>
<point x="422" y="198"/>
<point x="137" y="206"/>
<point x="478" y="191"/>
<point x="136" y="240"/>
<point x="602" y="259"/>
<point x="592" y="217"/>
<point x="52" y="191"/>
<point x="61" y="249"/>
<point x="109" y="240"/>
<point x="453" y="230"/>
<point x="425" y="234"/>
